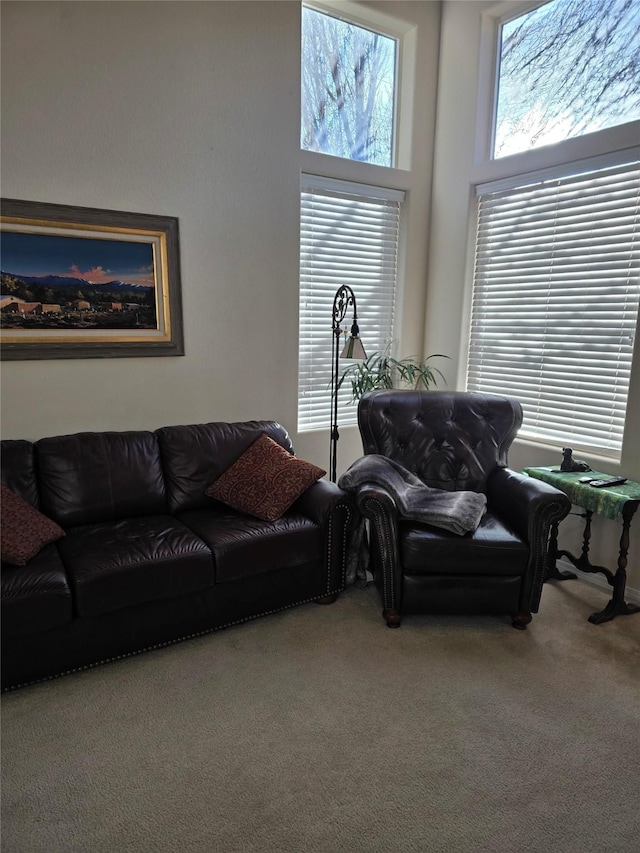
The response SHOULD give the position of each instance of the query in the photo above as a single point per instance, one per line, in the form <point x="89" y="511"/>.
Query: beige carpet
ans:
<point x="319" y="729"/>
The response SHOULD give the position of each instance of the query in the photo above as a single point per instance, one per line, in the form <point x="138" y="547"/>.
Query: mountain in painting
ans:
<point x="68" y="281"/>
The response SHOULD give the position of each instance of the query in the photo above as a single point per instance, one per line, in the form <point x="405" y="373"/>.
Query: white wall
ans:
<point x="450" y="262"/>
<point x="187" y="109"/>
<point x="181" y="109"/>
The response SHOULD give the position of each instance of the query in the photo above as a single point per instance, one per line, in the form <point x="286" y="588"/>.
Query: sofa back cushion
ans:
<point x="18" y="469"/>
<point x="196" y="455"/>
<point x="92" y="477"/>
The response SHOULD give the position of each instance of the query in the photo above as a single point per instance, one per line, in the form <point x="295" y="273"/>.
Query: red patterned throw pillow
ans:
<point x="23" y="530"/>
<point x="265" y="480"/>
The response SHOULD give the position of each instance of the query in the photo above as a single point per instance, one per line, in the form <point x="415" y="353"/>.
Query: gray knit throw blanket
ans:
<point x="459" y="512"/>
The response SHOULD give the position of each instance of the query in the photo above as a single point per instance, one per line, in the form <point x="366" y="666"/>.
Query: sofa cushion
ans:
<point x="35" y="597"/>
<point x="194" y="455"/>
<point x="117" y="565"/>
<point x="23" y="530"/>
<point x="265" y="480"/>
<point x="493" y="549"/>
<point x="243" y="546"/>
<point x="93" y="477"/>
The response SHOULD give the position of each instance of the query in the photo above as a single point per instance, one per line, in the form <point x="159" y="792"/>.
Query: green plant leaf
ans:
<point x="382" y="370"/>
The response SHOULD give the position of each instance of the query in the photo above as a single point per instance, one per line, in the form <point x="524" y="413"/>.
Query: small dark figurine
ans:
<point x="571" y="464"/>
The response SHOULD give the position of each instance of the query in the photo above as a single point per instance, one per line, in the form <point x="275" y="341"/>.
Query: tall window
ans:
<point x="349" y="235"/>
<point x="348" y="89"/>
<point x="557" y="259"/>
<point x="567" y="68"/>
<point x="349" y="230"/>
<point x="555" y="305"/>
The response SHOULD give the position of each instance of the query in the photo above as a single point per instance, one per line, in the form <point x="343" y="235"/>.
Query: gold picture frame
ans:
<point x="82" y="282"/>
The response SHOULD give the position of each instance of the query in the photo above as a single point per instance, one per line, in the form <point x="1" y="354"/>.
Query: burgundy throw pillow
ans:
<point x="265" y="480"/>
<point x="23" y="530"/>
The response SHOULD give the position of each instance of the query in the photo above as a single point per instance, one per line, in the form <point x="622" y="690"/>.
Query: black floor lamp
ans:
<point x="342" y="301"/>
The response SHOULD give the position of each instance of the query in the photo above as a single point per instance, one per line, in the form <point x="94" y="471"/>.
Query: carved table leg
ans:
<point x="618" y="606"/>
<point x="553" y="572"/>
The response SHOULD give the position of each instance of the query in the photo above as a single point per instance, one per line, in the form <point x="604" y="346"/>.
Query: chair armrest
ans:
<point x="377" y="505"/>
<point x="526" y="503"/>
<point x="373" y="500"/>
<point x="531" y="507"/>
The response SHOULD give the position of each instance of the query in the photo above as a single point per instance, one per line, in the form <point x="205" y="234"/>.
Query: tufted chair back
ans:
<point x="450" y="439"/>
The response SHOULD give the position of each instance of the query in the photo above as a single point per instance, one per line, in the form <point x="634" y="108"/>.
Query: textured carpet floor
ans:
<point x="319" y="729"/>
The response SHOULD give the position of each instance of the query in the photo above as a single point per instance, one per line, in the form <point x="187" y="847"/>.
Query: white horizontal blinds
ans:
<point x="555" y="305"/>
<point x="348" y="235"/>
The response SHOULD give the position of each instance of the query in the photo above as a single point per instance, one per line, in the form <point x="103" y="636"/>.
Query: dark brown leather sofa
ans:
<point x="148" y="559"/>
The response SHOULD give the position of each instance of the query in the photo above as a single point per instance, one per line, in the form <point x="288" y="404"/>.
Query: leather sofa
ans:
<point x="148" y="558"/>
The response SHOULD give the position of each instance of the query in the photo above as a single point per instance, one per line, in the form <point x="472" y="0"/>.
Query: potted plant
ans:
<point x="382" y="370"/>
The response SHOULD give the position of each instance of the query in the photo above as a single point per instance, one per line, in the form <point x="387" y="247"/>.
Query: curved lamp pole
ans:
<point x="342" y="301"/>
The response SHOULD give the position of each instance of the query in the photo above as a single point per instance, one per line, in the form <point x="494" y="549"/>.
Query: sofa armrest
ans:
<point x="333" y="510"/>
<point x="531" y="507"/>
<point x="319" y="501"/>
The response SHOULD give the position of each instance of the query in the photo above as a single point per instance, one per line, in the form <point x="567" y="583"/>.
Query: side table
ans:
<point x="615" y="502"/>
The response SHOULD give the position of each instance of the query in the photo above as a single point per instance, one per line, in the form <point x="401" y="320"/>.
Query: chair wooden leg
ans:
<point x="521" y="621"/>
<point x="392" y="618"/>
<point x="327" y="599"/>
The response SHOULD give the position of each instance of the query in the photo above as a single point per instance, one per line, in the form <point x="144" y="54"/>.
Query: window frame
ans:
<point x="406" y="39"/>
<point x="487" y="168"/>
<point x="396" y="96"/>
<point x="493" y="21"/>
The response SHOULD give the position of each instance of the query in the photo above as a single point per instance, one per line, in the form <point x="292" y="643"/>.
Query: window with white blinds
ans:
<point x="348" y="235"/>
<point x="555" y="300"/>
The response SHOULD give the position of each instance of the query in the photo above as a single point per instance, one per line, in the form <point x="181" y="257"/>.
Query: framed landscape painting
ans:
<point x="82" y="282"/>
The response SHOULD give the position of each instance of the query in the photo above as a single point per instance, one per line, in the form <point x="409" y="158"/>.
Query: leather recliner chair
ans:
<point x="453" y="441"/>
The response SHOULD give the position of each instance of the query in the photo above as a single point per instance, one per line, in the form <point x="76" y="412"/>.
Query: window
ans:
<point x="555" y="304"/>
<point x="567" y="68"/>
<point x="556" y="277"/>
<point x="348" y="89"/>
<point x="349" y="231"/>
<point x="349" y="235"/>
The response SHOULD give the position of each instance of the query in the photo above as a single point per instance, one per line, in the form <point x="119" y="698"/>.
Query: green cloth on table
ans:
<point x="608" y="501"/>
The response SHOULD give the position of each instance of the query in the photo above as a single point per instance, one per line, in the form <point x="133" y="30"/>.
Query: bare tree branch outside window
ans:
<point x="567" y="68"/>
<point x="348" y="89"/>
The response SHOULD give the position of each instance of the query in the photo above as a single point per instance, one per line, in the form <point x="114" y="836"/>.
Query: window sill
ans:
<point x="554" y="453"/>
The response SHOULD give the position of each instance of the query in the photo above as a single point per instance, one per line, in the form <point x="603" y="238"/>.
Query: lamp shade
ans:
<point x="353" y="348"/>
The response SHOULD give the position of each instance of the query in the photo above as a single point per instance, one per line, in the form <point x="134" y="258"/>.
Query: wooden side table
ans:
<point x="616" y="502"/>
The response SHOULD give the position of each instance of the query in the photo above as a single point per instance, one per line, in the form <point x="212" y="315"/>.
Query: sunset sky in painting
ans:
<point x="95" y="260"/>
